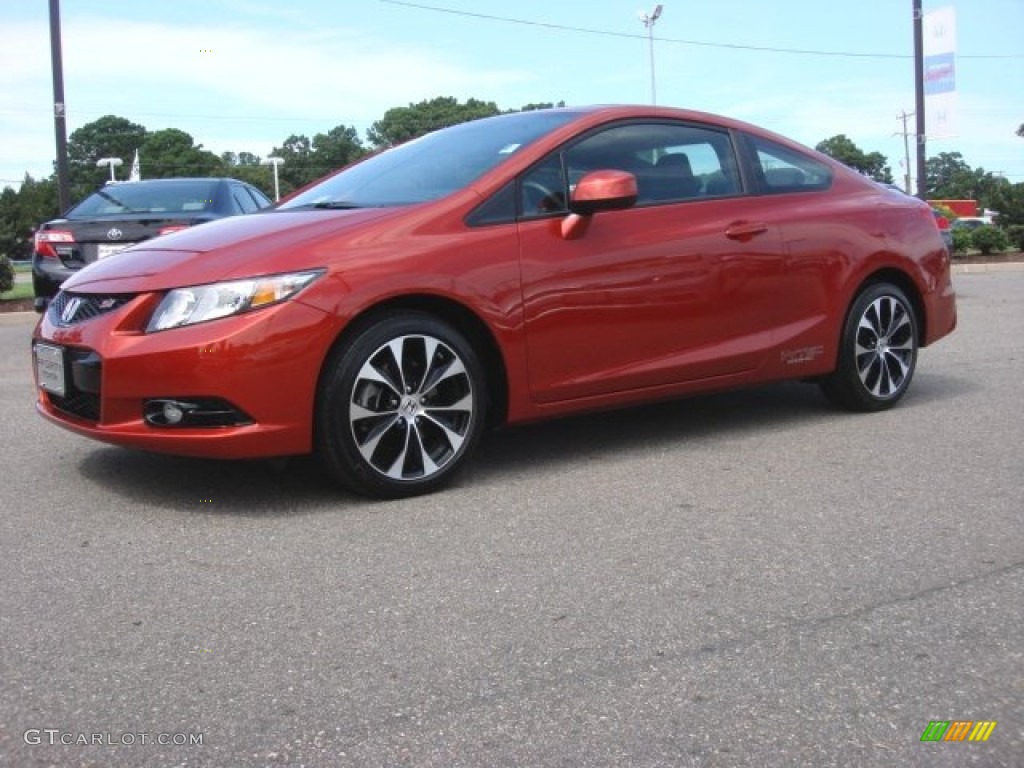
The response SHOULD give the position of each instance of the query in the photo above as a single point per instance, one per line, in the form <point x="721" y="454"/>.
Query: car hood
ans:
<point x="241" y="246"/>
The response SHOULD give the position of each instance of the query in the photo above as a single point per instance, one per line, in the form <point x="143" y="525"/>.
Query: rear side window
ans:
<point x="243" y="200"/>
<point x="779" y="169"/>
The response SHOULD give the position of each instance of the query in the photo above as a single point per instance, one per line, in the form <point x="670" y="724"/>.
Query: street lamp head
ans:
<point x="272" y="161"/>
<point x="113" y="162"/>
<point x="656" y="13"/>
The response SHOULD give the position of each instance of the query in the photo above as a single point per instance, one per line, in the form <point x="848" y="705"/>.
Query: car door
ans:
<point x="680" y="287"/>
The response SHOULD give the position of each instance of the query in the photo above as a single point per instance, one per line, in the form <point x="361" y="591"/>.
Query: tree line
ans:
<point x="171" y="152"/>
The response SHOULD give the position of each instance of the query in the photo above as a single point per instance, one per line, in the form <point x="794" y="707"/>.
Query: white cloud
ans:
<point x="216" y="82"/>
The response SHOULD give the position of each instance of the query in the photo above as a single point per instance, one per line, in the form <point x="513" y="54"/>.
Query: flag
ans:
<point x="940" y="73"/>
<point x="136" y="174"/>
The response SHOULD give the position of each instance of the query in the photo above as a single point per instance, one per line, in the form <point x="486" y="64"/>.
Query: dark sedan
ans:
<point x="118" y="216"/>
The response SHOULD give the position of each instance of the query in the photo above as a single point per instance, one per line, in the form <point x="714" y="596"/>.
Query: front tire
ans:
<point x="877" y="351"/>
<point x="401" y="406"/>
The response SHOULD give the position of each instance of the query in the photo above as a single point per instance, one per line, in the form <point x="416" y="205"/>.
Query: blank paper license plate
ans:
<point x="50" y="368"/>
<point x="109" y="249"/>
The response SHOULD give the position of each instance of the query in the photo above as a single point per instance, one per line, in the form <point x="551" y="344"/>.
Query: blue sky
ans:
<point x="242" y="75"/>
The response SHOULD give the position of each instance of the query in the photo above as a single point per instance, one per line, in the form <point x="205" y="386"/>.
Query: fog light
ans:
<point x="194" y="412"/>
<point x="173" y="413"/>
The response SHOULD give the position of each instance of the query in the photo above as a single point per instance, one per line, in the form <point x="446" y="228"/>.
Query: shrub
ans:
<point x="1015" y="234"/>
<point x="961" y="240"/>
<point x="6" y="274"/>
<point x="989" y="239"/>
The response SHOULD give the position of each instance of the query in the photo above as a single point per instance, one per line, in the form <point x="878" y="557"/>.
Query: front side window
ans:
<point x="672" y="162"/>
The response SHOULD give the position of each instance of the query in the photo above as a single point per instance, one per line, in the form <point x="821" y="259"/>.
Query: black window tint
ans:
<point x="780" y="169"/>
<point x="542" y="189"/>
<point x="153" y="196"/>
<point x="242" y="199"/>
<point x="671" y="162"/>
<point x="261" y="200"/>
<point x="499" y="208"/>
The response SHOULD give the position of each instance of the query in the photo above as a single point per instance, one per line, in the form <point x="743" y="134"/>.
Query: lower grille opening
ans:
<point x="170" y="412"/>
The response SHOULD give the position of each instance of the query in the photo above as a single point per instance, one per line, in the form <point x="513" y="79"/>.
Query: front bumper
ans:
<point x="265" y="363"/>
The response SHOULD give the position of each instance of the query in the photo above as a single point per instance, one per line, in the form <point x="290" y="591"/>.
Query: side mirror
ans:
<point x="603" y="191"/>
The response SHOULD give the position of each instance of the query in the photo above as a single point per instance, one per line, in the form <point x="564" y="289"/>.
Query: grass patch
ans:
<point x="20" y="291"/>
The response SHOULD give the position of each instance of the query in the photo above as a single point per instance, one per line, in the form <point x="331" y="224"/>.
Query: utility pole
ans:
<point x="59" y="123"/>
<point x="904" y="116"/>
<point x="922" y="176"/>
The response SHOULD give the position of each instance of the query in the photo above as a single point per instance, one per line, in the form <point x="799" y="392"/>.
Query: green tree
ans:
<point x="6" y="274"/>
<point x="172" y="152"/>
<point x="1008" y="199"/>
<point x="109" y="136"/>
<point x="400" y="124"/>
<point x="22" y="212"/>
<point x="336" y="148"/>
<point x="298" y="168"/>
<point x="245" y="166"/>
<point x="842" y="148"/>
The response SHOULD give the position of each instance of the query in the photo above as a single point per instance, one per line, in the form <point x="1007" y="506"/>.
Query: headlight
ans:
<point x="199" y="303"/>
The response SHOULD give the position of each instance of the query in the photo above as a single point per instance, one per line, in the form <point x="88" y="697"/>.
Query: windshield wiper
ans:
<point x="115" y="201"/>
<point x="335" y="205"/>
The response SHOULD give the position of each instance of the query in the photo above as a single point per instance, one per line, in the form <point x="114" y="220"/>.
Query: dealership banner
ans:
<point x="939" y="28"/>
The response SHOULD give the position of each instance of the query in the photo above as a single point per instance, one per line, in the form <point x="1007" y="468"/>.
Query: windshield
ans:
<point x="173" y="196"/>
<point x="434" y="165"/>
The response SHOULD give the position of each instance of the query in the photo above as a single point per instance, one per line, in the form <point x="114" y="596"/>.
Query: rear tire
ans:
<point x="401" y="406"/>
<point x="877" y="351"/>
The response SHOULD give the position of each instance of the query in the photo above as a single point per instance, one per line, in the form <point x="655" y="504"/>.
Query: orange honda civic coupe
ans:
<point x="509" y="269"/>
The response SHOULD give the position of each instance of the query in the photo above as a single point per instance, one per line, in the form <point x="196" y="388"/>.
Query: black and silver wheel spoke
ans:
<point x="412" y="407"/>
<point x="884" y="346"/>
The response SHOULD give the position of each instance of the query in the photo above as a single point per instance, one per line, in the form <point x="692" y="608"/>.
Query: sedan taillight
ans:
<point x="172" y="228"/>
<point x="46" y="241"/>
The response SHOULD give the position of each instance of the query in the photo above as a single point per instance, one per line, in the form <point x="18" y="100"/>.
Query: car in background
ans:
<point x="944" y="228"/>
<point x="505" y="270"/>
<point x="123" y="214"/>
<point x="971" y="223"/>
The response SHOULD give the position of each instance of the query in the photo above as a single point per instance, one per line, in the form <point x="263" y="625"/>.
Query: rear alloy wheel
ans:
<point x="401" y="406"/>
<point x="878" y="351"/>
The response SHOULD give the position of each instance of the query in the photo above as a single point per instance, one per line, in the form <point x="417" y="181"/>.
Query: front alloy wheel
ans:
<point x="401" y="406"/>
<point x="878" y="351"/>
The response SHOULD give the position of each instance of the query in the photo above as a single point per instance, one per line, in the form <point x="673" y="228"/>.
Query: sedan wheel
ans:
<point x="878" y="351"/>
<point x="401" y="406"/>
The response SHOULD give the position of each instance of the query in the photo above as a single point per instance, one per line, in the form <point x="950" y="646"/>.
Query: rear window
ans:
<point x="176" y="197"/>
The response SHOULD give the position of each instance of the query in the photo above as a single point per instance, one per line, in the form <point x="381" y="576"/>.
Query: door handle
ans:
<point x="745" y="230"/>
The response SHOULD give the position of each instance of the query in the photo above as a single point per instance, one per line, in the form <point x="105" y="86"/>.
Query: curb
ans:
<point x="993" y="266"/>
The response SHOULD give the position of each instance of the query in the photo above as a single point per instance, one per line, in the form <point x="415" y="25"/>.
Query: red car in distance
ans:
<point x="509" y="269"/>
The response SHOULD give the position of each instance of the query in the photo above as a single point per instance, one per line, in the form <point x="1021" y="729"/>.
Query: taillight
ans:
<point x="46" y="241"/>
<point x="943" y="222"/>
<point x="172" y="228"/>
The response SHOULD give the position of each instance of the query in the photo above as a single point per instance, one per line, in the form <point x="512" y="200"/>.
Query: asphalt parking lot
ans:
<point x="744" y="579"/>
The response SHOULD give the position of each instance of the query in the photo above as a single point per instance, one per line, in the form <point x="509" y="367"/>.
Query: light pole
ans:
<point x="112" y="162"/>
<point x="648" y="20"/>
<point x="274" y="161"/>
